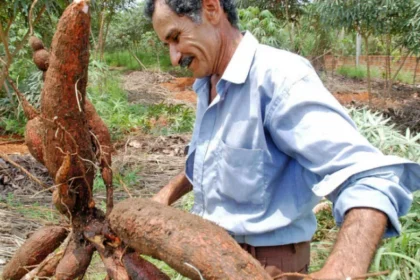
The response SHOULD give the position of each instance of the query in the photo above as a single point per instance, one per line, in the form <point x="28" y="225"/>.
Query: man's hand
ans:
<point x="174" y="190"/>
<point x="161" y="197"/>
<point x="356" y="245"/>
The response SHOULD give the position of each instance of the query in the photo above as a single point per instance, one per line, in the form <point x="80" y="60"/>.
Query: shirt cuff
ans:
<point x="364" y="196"/>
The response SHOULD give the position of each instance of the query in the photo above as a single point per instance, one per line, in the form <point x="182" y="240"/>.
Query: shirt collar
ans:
<point x="238" y="68"/>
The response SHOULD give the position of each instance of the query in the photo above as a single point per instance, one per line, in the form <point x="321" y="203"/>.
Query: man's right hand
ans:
<point x="174" y="190"/>
<point x="160" y="197"/>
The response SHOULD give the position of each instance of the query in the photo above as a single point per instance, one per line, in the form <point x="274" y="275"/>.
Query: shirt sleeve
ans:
<point x="307" y="123"/>
<point x="379" y="189"/>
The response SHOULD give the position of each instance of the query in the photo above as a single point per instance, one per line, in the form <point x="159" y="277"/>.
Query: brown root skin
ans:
<point x="35" y="249"/>
<point x="64" y="200"/>
<point x="33" y="138"/>
<point x="50" y="267"/>
<point x="36" y="43"/>
<point x="138" y="268"/>
<point x="182" y="239"/>
<point x="62" y="103"/>
<point x="41" y="59"/>
<point x="102" y="141"/>
<point x="112" y="260"/>
<point x="75" y="261"/>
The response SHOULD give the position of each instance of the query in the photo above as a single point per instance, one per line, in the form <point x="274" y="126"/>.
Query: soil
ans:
<point x="158" y="158"/>
<point x="402" y="105"/>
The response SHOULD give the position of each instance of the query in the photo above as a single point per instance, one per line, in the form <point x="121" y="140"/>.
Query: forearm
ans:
<point x="174" y="190"/>
<point x="357" y="242"/>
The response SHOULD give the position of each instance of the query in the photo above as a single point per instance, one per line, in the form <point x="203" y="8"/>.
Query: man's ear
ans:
<point x="212" y="11"/>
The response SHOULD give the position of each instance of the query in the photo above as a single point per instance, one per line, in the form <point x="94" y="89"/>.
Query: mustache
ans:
<point x="185" y="61"/>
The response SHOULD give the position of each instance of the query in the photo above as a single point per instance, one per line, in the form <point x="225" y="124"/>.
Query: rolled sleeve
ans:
<point x="379" y="189"/>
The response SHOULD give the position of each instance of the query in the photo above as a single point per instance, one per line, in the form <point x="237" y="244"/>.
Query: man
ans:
<point x="269" y="141"/>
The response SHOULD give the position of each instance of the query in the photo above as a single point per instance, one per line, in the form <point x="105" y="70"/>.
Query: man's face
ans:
<point x="192" y="45"/>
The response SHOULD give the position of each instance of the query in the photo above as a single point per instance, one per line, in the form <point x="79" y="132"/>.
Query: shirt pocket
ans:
<point x="240" y="175"/>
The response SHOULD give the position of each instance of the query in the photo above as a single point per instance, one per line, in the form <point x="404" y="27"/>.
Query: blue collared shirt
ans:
<point x="273" y="142"/>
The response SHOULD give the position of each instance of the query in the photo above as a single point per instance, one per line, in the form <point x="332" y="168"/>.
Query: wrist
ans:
<point x="161" y="198"/>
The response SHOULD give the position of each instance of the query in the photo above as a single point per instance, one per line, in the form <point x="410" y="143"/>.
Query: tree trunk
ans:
<point x="415" y="70"/>
<point x="136" y="58"/>
<point x="101" y="34"/>
<point x="358" y="48"/>
<point x="105" y="35"/>
<point x="388" y="65"/>
<point x="186" y="242"/>
<point x="292" y="42"/>
<point x="366" y="39"/>
<point x="392" y="80"/>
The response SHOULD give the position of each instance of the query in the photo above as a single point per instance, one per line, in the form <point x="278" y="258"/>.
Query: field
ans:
<point x="149" y="108"/>
<point x="149" y="141"/>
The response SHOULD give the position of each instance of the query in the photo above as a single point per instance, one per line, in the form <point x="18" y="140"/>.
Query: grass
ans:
<point x="360" y="73"/>
<point x="33" y="211"/>
<point x="122" y="117"/>
<point x="125" y="60"/>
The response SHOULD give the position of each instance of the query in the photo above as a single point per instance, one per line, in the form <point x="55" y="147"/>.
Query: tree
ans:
<point x="130" y="30"/>
<point x="354" y="15"/>
<point x="105" y="12"/>
<point x="287" y="11"/>
<point x="411" y="40"/>
<point x="264" y="26"/>
<point x="394" y="18"/>
<point x="19" y="20"/>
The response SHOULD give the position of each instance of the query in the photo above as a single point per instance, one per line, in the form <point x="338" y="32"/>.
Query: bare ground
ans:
<point x="402" y="105"/>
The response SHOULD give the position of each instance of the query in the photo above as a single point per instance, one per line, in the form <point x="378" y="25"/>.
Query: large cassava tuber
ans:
<point x="34" y="250"/>
<point x="75" y="261"/>
<point x="182" y="240"/>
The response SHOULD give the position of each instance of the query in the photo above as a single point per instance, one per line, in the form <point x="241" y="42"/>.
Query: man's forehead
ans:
<point x="161" y="9"/>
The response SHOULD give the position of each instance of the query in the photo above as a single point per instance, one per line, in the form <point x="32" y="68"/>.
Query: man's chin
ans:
<point x="198" y="75"/>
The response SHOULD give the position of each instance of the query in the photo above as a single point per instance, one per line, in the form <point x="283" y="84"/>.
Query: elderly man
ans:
<point x="270" y="141"/>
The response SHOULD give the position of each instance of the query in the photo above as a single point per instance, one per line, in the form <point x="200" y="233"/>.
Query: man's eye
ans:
<point x="176" y="37"/>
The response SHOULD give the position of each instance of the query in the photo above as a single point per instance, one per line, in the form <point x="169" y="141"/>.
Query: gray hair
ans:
<point x="192" y="9"/>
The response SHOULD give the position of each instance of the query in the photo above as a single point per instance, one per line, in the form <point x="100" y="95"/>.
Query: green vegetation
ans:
<point x="125" y="59"/>
<point x="400" y="254"/>
<point x="122" y="38"/>
<point x="35" y="211"/>
<point x="121" y="117"/>
<point x="360" y="73"/>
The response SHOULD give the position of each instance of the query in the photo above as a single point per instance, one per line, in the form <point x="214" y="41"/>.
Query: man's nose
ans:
<point x="174" y="54"/>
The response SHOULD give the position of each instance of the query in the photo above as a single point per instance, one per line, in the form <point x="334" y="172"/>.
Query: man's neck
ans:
<point x="230" y="37"/>
<point x="214" y="79"/>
